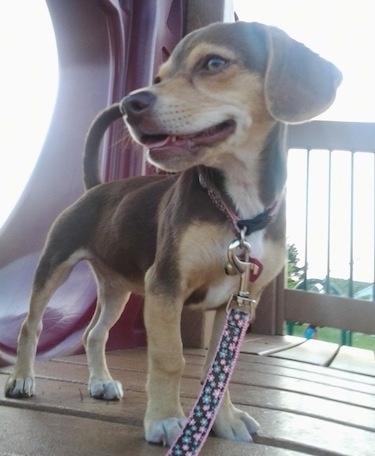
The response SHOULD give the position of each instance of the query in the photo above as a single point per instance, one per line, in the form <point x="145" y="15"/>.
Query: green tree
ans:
<point x="295" y="273"/>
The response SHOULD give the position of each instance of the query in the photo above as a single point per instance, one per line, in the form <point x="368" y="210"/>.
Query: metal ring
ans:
<point x="233" y="258"/>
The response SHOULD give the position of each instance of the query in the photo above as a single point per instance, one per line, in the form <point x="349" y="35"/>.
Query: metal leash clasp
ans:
<point x="239" y="262"/>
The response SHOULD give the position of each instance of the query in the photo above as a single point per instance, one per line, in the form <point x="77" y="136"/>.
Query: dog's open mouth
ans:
<point x="209" y="136"/>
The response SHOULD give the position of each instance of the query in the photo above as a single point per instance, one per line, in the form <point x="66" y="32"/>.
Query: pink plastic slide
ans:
<point x="106" y="48"/>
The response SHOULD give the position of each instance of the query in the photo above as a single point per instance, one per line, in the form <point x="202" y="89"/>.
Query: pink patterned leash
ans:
<point x="240" y="313"/>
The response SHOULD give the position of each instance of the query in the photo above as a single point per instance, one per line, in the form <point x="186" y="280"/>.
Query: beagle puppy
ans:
<point x="215" y="116"/>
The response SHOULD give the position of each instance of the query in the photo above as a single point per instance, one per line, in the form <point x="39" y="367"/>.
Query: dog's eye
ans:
<point x="157" y="80"/>
<point x="214" y="63"/>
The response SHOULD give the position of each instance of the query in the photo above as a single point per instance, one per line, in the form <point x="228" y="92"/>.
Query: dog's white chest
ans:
<point x="220" y="293"/>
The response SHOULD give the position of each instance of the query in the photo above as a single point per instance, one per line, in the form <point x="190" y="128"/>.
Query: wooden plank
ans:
<point x="300" y="368"/>
<point x="45" y="434"/>
<point x="56" y="398"/>
<point x="285" y="375"/>
<point x="312" y="352"/>
<point x="310" y="435"/>
<point x="265" y="322"/>
<point x="328" y="310"/>
<point x="249" y="367"/>
<point x="242" y="384"/>
<point x="318" y="134"/>
<point x="200" y="14"/>
<point x="303" y="404"/>
<point x="129" y="367"/>
<point x="299" y="406"/>
<point x="251" y="388"/>
<point x="265" y="345"/>
<point x="355" y="360"/>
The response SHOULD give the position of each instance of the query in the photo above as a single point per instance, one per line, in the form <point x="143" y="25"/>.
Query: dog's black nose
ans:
<point x="136" y="104"/>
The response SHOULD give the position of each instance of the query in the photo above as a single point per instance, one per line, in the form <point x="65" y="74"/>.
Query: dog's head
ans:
<point x="222" y="89"/>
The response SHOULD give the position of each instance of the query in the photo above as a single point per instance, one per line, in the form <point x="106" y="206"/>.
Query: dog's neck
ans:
<point x="250" y="186"/>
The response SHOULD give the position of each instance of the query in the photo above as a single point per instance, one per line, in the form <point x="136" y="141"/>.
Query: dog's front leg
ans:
<point x="231" y="423"/>
<point x="164" y="416"/>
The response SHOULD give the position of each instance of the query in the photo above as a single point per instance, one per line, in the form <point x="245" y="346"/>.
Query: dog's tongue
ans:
<point x="171" y="148"/>
<point x="163" y="142"/>
<point x="207" y="136"/>
<point x="166" y="141"/>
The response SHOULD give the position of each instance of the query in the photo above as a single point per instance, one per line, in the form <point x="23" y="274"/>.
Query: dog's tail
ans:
<point x="92" y="143"/>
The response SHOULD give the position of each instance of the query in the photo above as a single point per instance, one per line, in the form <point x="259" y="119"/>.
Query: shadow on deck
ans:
<point x="310" y="397"/>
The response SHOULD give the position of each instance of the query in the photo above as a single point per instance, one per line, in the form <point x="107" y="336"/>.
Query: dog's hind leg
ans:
<point x="112" y="298"/>
<point x="50" y="274"/>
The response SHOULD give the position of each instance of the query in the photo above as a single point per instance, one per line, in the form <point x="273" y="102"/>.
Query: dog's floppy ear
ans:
<point x="299" y="84"/>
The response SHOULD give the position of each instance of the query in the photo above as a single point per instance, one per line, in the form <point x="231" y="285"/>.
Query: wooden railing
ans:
<point x="333" y="140"/>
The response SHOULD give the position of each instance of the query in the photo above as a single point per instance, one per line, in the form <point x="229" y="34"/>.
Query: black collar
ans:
<point x="257" y="223"/>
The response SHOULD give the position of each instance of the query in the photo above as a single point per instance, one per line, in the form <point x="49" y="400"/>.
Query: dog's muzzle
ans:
<point x="136" y="105"/>
<point x="168" y="150"/>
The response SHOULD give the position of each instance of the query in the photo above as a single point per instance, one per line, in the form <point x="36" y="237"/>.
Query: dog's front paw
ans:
<point x="19" y="387"/>
<point x="235" y="425"/>
<point x="109" y="390"/>
<point x="163" y="432"/>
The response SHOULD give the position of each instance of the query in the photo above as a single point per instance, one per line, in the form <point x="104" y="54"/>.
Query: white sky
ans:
<point x="27" y="92"/>
<point x="340" y="30"/>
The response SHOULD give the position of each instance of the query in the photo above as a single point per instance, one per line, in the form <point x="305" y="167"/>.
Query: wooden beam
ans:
<point x="328" y="310"/>
<point x="352" y="136"/>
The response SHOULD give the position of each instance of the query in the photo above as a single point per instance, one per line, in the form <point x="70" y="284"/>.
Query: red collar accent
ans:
<point x="256" y="271"/>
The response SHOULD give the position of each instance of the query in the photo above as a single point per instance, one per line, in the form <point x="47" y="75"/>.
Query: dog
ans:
<point x="214" y="119"/>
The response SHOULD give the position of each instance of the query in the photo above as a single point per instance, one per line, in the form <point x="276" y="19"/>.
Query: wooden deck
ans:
<point x="309" y="397"/>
